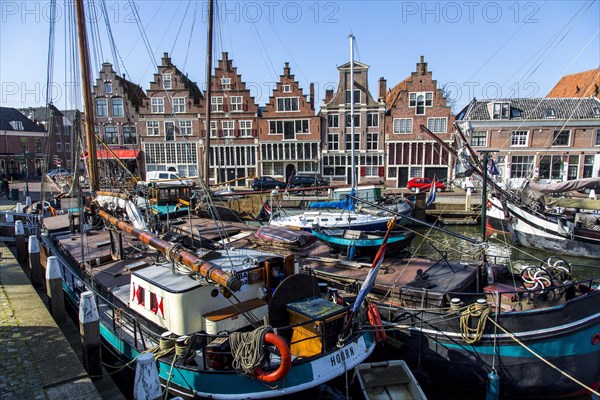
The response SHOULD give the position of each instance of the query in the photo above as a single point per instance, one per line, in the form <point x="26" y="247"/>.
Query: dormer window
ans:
<point x="17" y="125"/>
<point x="166" y="81"/>
<point x="226" y="83"/>
<point x="550" y="114"/>
<point x="287" y="88"/>
<point x="501" y="111"/>
<point x="596" y="111"/>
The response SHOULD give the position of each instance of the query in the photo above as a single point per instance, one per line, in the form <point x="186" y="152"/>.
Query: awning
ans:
<point x="123" y="154"/>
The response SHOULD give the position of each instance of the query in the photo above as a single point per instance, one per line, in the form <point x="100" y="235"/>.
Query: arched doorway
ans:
<point x="290" y="170"/>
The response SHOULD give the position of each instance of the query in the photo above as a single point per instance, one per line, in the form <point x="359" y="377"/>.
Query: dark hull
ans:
<point x="497" y="226"/>
<point x="568" y="336"/>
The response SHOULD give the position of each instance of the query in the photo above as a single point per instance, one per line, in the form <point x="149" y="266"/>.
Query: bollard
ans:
<point x="34" y="262"/>
<point x="28" y="204"/>
<point x="21" y="243"/>
<point x="146" y="385"/>
<point x="54" y="289"/>
<point x="592" y="194"/>
<point x="89" y="329"/>
<point x="19" y="208"/>
<point x="9" y="229"/>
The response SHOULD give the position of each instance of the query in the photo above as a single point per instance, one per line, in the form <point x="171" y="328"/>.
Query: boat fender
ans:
<point x="375" y="321"/>
<point x="493" y="386"/>
<point x="596" y="339"/>
<point x="286" y="360"/>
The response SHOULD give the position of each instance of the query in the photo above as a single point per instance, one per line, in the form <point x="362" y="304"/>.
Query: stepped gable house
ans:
<point x="416" y="101"/>
<point x="234" y="126"/>
<point x="117" y="103"/>
<point x="170" y="121"/>
<point x="553" y="139"/>
<point x="368" y="129"/>
<point x="289" y="131"/>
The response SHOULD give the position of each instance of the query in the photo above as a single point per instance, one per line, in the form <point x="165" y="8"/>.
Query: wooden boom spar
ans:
<point x="184" y="257"/>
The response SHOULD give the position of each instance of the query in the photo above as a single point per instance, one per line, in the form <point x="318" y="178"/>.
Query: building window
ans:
<point x="437" y="125"/>
<point x="521" y="166"/>
<point x="372" y="120"/>
<point x="333" y="121"/>
<point x="501" y="111"/>
<point x="38" y="145"/>
<point x="129" y="134"/>
<point x="550" y="114"/>
<point x="419" y="101"/>
<point x="117" y="107"/>
<point x="334" y="165"/>
<point x="403" y="125"/>
<point x="245" y="128"/>
<point x="101" y="108"/>
<point x="169" y="131"/>
<point x="598" y="137"/>
<point x="287" y="104"/>
<point x="573" y="168"/>
<point x="356" y="96"/>
<point x="59" y="147"/>
<point x="158" y="105"/>
<point x="213" y="128"/>
<point x="333" y="141"/>
<point x="111" y="135"/>
<point x="561" y="138"/>
<point x="347" y="139"/>
<point x="166" y="81"/>
<point x="18" y="126"/>
<point x="178" y="104"/>
<point x="153" y="128"/>
<point x="228" y="128"/>
<point x="588" y="166"/>
<point x="216" y="103"/>
<point x="287" y="88"/>
<point x="185" y="127"/>
<point x="356" y="120"/>
<point x="372" y="140"/>
<point x="67" y="147"/>
<point x="550" y="167"/>
<point x="519" y="138"/>
<point x="479" y="139"/>
<point x="108" y="87"/>
<point x="226" y="83"/>
<point x="236" y="103"/>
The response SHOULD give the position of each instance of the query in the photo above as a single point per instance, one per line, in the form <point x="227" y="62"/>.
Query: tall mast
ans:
<point x="88" y="103"/>
<point x="208" y="93"/>
<point x="353" y="166"/>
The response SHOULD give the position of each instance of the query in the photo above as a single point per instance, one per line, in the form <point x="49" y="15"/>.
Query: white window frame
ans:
<point x="167" y="81"/>
<point x="414" y="103"/>
<point x="158" y="105"/>
<point x="357" y="94"/>
<point x="115" y="106"/>
<point x="287" y="89"/>
<point x="439" y="128"/>
<point x="501" y="110"/>
<point x="185" y="127"/>
<point x="373" y="115"/>
<point x="245" y="128"/>
<point x="105" y="108"/>
<point x="554" y="136"/>
<point x="237" y="103"/>
<point x="213" y="129"/>
<point x="178" y="105"/>
<point x="288" y="104"/>
<point x="153" y="128"/>
<point x="335" y="118"/>
<point x="226" y="83"/>
<point x="216" y="103"/>
<point x="18" y="126"/>
<point x="114" y="130"/>
<point x="169" y="123"/>
<point x="485" y="138"/>
<point x="402" y="126"/>
<point x="228" y="128"/>
<point x="333" y="141"/>
<point x="372" y="140"/>
<point x="518" y="142"/>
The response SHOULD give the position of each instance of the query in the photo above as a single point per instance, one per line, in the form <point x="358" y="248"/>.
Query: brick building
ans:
<point x="117" y="103"/>
<point x="289" y="132"/>
<point x="368" y="129"/>
<point x="416" y="101"/>
<point x="169" y="122"/>
<point x="553" y="139"/>
<point x="234" y="126"/>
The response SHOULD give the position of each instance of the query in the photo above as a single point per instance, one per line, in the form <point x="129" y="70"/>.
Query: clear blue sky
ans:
<point x="486" y="49"/>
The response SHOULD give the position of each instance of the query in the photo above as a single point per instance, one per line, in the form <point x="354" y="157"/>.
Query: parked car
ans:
<point x="298" y="181"/>
<point x="424" y="184"/>
<point x="58" y="171"/>
<point x="169" y="177"/>
<point x="266" y="183"/>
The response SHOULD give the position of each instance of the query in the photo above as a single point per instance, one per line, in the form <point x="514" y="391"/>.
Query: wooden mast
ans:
<point x="208" y="94"/>
<point x="88" y="103"/>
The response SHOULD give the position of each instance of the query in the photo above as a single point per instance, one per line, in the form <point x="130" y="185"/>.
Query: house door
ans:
<point x="402" y="176"/>
<point x="290" y="170"/>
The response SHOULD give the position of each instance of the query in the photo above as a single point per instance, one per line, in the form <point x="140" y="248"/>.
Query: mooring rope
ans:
<point x="247" y="349"/>
<point x="473" y="335"/>
<point x="516" y="339"/>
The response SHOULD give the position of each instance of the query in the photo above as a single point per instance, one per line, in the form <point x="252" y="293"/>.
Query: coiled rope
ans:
<point x="473" y="335"/>
<point x="247" y="349"/>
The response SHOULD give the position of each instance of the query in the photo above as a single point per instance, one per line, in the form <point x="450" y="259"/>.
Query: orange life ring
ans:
<point x="286" y="360"/>
<point x="375" y="321"/>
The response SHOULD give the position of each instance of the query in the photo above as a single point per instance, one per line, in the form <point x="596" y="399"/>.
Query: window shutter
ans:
<point x="254" y="132"/>
<point x="225" y="107"/>
<point x="236" y="133"/>
<point x="363" y="171"/>
<point x="245" y="106"/>
<point x="380" y="171"/>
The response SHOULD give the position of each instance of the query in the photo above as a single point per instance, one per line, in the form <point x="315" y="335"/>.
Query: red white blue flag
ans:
<point x="371" y="276"/>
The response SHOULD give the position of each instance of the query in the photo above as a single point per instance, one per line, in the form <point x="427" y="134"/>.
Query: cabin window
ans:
<point x="561" y="138"/>
<point x="140" y="295"/>
<point x="437" y="125"/>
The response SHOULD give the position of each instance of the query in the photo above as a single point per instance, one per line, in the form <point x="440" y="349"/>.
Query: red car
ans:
<point x="424" y="184"/>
